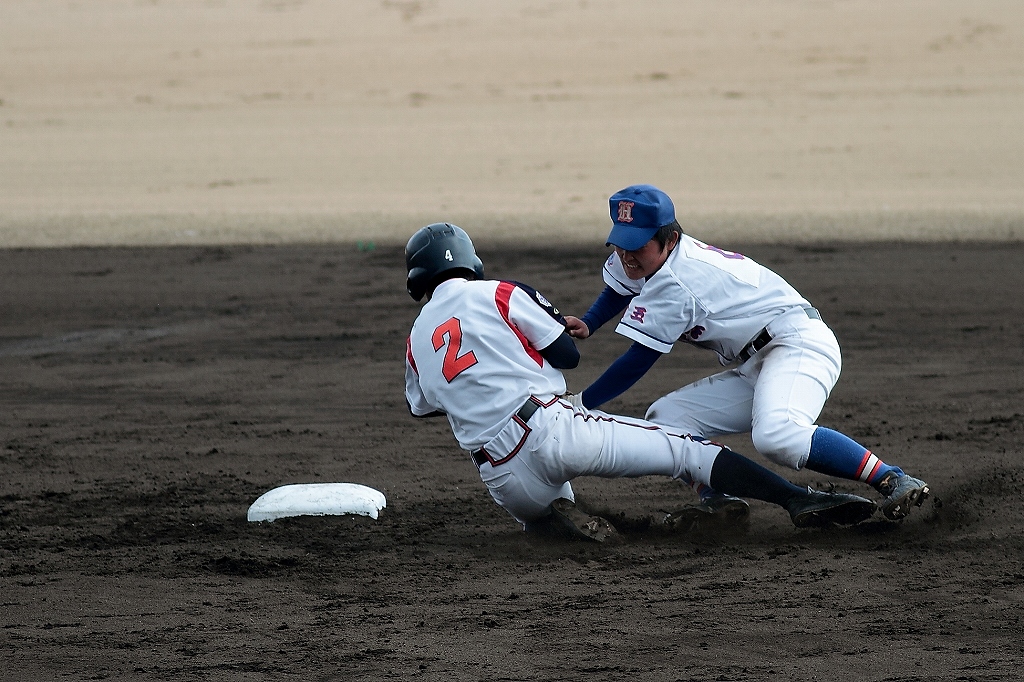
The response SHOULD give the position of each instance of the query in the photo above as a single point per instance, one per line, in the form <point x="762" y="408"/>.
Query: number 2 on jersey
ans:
<point x="454" y="364"/>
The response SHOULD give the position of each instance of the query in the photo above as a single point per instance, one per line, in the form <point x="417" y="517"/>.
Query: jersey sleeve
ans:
<point x="417" y="402"/>
<point x="544" y="303"/>
<point x="661" y="314"/>
<point x="532" y="315"/>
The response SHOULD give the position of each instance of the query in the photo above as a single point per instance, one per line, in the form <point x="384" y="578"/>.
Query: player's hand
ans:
<point x="576" y="328"/>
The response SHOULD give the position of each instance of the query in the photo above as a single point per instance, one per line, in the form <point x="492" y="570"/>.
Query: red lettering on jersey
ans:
<point x="501" y="298"/>
<point x="695" y="333"/>
<point x="638" y="314"/>
<point x="454" y="364"/>
<point x="626" y="211"/>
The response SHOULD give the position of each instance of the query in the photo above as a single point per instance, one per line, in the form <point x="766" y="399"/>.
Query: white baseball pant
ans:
<point x="776" y="396"/>
<point x="564" y="442"/>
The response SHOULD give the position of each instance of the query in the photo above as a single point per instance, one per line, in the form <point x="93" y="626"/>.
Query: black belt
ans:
<point x="764" y="337"/>
<point x="524" y="413"/>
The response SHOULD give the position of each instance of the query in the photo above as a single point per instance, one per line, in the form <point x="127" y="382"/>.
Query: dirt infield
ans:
<point x="150" y="395"/>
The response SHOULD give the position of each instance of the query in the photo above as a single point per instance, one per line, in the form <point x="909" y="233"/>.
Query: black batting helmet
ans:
<point x="436" y="250"/>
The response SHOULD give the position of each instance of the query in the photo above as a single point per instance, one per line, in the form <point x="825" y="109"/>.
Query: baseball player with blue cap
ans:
<point x="783" y="359"/>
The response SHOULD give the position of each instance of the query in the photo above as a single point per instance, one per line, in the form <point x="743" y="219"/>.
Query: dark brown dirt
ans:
<point x="148" y="396"/>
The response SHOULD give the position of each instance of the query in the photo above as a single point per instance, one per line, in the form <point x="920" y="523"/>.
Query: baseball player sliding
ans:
<point x="785" y="358"/>
<point x="488" y="354"/>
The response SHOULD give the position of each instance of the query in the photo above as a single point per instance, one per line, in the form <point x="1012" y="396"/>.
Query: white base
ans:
<point x="317" y="499"/>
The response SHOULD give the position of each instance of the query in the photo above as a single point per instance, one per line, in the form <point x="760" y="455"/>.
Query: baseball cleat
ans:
<point x="902" y="493"/>
<point x="715" y="511"/>
<point x="567" y="519"/>
<point x="817" y="509"/>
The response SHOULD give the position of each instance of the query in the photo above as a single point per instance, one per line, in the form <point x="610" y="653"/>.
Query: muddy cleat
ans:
<point x="727" y="507"/>
<point x="901" y="492"/>
<point x="715" y="511"/>
<point x="817" y="509"/>
<point x="568" y="520"/>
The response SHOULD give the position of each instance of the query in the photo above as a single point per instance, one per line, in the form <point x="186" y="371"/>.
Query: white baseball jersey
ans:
<point x="479" y="364"/>
<point x="702" y="295"/>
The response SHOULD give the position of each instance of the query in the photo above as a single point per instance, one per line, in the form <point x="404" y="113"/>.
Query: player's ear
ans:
<point x="673" y="240"/>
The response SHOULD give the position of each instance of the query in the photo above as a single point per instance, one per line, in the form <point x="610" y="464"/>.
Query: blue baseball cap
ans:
<point x="637" y="212"/>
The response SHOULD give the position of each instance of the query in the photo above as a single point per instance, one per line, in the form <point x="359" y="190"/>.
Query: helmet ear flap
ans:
<point x="434" y="252"/>
<point x="415" y="283"/>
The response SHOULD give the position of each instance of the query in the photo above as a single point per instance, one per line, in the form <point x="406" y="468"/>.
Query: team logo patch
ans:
<point x="626" y="211"/>
<point x="545" y="303"/>
<point x="638" y="314"/>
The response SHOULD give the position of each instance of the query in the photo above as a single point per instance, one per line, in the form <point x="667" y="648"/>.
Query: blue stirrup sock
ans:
<point x="837" y="455"/>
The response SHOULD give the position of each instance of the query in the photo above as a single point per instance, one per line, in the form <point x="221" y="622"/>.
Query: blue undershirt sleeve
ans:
<point x="609" y="304"/>
<point x="620" y="375"/>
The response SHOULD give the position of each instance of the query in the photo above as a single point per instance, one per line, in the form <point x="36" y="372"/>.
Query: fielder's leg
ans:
<point x="792" y="385"/>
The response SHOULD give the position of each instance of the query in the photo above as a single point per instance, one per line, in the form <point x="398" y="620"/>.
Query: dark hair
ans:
<point x="665" y="231"/>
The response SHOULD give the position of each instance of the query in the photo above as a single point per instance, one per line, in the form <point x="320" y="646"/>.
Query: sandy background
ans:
<point x="181" y="121"/>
